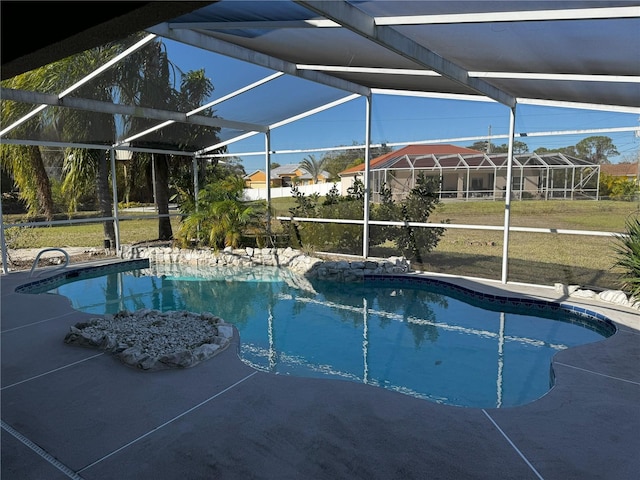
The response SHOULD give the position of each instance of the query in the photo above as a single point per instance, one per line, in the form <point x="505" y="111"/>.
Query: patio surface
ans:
<point x="71" y="412"/>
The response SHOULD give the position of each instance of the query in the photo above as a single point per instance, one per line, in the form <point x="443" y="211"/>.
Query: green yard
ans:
<point x="544" y="258"/>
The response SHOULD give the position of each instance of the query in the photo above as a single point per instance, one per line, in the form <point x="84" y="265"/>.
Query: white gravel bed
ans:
<point x="152" y="340"/>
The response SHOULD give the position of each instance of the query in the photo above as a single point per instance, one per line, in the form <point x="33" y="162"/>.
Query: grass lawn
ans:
<point x="84" y="234"/>
<point x="544" y="258"/>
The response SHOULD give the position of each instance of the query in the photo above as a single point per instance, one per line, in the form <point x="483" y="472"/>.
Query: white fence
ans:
<point x="261" y="193"/>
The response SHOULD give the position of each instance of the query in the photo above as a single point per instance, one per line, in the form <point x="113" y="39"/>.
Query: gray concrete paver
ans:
<point x="105" y="420"/>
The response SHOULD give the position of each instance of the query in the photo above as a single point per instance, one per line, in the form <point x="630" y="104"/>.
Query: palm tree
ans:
<point x="24" y="163"/>
<point x="228" y="220"/>
<point x="195" y="89"/>
<point x="143" y="78"/>
<point x="221" y="217"/>
<point x="153" y="87"/>
<point x="313" y="166"/>
<point x="86" y="169"/>
<point x="627" y="251"/>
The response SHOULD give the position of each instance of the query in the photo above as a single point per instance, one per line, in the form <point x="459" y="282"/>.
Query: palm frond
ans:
<point x="627" y="251"/>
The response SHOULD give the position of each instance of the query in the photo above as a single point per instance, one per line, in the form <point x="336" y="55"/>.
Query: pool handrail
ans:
<point x="54" y="249"/>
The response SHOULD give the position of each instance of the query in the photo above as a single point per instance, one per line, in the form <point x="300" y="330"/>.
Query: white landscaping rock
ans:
<point x="572" y="288"/>
<point x="583" y="293"/>
<point x="225" y="331"/>
<point x="561" y="288"/>
<point x="614" y="296"/>
<point x="151" y="340"/>
<point x="295" y="260"/>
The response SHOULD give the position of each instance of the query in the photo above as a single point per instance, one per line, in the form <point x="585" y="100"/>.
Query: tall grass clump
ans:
<point x="627" y="250"/>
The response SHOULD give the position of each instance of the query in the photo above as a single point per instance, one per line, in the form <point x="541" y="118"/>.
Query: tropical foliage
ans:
<point x="146" y="78"/>
<point x="313" y="166"/>
<point x="627" y="250"/>
<point x="618" y="188"/>
<point x="220" y="218"/>
<point x="68" y="125"/>
<point x="24" y="163"/>
<point x="153" y="85"/>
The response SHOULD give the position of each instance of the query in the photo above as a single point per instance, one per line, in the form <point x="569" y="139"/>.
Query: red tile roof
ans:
<point x="620" y="169"/>
<point x="413" y="150"/>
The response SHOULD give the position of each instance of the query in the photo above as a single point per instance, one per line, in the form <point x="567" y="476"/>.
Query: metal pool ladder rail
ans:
<point x="60" y="267"/>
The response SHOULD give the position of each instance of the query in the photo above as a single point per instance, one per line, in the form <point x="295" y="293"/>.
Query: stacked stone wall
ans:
<point x="316" y="268"/>
<point x="295" y="260"/>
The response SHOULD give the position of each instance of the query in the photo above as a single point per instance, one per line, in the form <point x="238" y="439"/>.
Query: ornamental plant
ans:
<point x="618" y="188"/>
<point x="627" y="250"/>
<point x="221" y="218"/>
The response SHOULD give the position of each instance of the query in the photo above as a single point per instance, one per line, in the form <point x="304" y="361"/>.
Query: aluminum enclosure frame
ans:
<point x="397" y="34"/>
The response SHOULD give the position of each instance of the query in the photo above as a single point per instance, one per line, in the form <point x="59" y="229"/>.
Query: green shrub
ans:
<point x="618" y="188"/>
<point x="334" y="237"/>
<point x="413" y="242"/>
<point x="19" y="237"/>
<point x="417" y="207"/>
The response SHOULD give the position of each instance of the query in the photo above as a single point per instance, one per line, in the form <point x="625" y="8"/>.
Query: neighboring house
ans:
<point x="464" y="173"/>
<point x="628" y="170"/>
<point x="255" y="179"/>
<point x="283" y="176"/>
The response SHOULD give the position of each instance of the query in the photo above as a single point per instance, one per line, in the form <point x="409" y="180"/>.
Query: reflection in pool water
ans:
<point x="423" y="340"/>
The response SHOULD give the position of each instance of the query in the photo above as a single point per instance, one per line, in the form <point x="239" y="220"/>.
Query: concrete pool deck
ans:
<point x="71" y="412"/>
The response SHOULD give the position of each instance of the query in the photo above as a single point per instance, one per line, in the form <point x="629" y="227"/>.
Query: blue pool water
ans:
<point x="427" y="340"/>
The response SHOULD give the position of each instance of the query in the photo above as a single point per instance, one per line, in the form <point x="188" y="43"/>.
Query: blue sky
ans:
<point x="398" y="119"/>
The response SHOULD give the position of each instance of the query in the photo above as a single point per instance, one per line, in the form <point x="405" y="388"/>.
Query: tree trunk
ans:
<point x="43" y="186"/>
<point x="202" y="173"/>
<point x="104" y="197"/>
<point x="162" y="197"/>
<point x="127" y="182"/>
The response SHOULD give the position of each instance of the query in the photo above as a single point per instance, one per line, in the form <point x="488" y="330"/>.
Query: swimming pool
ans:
<point x="417" y="336"/>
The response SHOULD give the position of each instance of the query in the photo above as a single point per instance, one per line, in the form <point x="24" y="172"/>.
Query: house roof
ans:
<point x="410" y="150"/>
<point x="249" y="175"/>
<point x="289" y="169"/>
<point x="620" y="169"/>
<point x="453" y="157"/>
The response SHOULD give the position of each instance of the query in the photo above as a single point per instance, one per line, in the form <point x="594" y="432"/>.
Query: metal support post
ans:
<point x="507" y="200"/>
